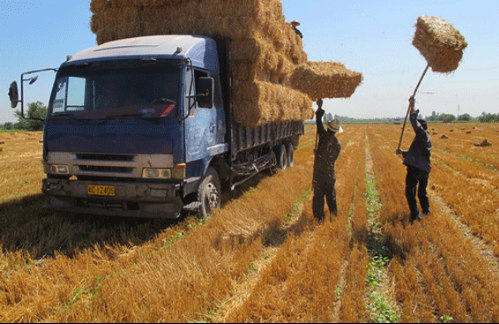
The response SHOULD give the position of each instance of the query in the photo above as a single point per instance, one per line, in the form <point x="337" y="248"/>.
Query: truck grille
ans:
<point x="104" y="157"/>
<point x="105" y="164"/>
<point x="106" y="169"/>
<point x="109" y="165"/>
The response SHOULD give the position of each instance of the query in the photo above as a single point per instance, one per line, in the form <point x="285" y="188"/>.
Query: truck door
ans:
<point x="220" y="112"/>
<point x="201" y="125"/>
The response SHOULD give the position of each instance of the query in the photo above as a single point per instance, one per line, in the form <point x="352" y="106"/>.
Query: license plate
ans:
<point x="102" y="191"/>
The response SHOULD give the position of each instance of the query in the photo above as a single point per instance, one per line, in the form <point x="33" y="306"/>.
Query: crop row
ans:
<point x="438" y="272"/>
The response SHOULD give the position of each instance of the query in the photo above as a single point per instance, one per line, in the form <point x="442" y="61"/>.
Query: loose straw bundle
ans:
<point x="325" y="80"/>
<point x="440" y="43"/>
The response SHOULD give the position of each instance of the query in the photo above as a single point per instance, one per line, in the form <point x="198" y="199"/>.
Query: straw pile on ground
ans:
<point x="265" y="50"/>
<point x="440" y="43"/>
<point x="483" y="143"/>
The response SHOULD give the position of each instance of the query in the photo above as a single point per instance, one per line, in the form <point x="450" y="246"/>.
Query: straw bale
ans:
<point x="444" y="136"/>
<point x="325" y="80"/>
<point x="483" y="143"/>
<point x="261" y="102"/>
<point x="237" y="19"/>
<point x="98" y="6"/>
<point x="265" y="50"/>
<point x="440" y="43"/>
<point x="119" y="21"/>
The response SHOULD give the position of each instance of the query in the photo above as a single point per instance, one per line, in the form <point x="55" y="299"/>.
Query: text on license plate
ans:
<point x="101" y="190"/>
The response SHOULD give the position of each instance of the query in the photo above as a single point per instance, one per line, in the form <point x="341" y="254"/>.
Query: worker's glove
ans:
<point x="412" y="101"/>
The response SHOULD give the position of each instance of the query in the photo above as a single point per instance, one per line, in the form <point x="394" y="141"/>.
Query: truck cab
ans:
<point x="132" y="127"/>
<point x="143" y="127"/>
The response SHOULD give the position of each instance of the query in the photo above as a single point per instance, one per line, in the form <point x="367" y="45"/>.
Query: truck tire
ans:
<point x="209" y="193"/>
<point x="282" y="157"/>
<point x="291" y="154"/>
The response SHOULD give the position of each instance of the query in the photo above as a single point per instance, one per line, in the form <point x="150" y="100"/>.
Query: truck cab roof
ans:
<point x="201" y="50"/>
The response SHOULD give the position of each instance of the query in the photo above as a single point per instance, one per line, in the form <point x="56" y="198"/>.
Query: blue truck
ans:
<point x="143" y="127"/>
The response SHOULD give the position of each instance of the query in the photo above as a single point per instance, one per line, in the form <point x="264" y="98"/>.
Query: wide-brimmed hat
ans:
<point x="295" y="23"/>
<point x="334" y="126"/>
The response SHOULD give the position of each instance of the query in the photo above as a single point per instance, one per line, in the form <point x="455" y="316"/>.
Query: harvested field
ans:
<point x="262" y="257"/>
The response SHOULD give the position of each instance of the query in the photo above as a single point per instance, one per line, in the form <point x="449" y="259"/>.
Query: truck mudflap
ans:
<point x="113" y="199"/>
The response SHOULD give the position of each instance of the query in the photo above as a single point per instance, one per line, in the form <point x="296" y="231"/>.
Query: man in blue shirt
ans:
<point x="417" y="161"/>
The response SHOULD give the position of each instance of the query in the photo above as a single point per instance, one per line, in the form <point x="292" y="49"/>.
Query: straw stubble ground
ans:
<point x="262" y="257"/>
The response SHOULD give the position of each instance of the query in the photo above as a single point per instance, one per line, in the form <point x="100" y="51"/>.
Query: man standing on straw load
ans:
<point x="295" y="24"/>
<point x="417" y="161"/>
<point x="326" y="154"/>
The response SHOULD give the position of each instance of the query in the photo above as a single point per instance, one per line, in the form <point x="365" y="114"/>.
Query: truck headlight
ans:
<point x="156" y="174"/>
<point x="59" y="169"/>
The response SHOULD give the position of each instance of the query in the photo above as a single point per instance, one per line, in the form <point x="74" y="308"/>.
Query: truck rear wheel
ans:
<point x="282" y="157"/>
<point x="291" y="154"/>
<point x="209" y="193"/>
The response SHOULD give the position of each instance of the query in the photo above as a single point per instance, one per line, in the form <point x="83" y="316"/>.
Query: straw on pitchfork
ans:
<point x="441" y="45"/>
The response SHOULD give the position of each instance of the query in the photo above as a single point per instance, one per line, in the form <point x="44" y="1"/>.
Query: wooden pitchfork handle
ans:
<point x="409" y="109"/>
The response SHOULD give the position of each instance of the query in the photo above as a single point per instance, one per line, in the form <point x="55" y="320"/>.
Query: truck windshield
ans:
<point x="116" y="90"/>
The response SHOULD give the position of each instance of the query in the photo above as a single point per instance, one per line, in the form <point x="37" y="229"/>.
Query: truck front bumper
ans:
<point x="133" y="199"/>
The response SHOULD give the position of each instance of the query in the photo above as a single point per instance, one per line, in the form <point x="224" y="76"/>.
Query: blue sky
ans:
<point x="368" y="36"/>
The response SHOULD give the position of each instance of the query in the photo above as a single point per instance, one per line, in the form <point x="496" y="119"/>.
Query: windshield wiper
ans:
<point x="138" y="115"/>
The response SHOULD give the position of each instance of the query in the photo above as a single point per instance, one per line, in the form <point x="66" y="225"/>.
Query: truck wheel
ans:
<point x="291" y="154"/>
<point x="282" y="157"/>
<point x="209" y="193"/>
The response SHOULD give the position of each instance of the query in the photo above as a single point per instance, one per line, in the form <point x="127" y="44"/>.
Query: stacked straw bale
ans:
<point x="265" y="50"/>
<point x="440" y="43"/>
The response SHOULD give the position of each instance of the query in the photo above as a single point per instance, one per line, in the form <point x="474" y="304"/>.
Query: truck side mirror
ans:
<point x="13" y="94"/>
<point x="205" y="92"/>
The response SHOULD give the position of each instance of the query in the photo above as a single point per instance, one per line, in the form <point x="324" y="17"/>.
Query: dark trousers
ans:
<point x="324" y="188"/>
<point x="414" y="177"/>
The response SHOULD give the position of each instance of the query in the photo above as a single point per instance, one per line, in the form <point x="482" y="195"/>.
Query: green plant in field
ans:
<point x="380" y="309"/>
<point x="446" y="318"/>
<point x="251" y="267"/>
<point x="373" y="204"/>
<point x="297" y="206"/>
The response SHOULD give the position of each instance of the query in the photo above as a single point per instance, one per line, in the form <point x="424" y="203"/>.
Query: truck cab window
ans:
<point x="59" y="103"/>
<point x="76" y="94"/>
<point x="218" y="92"/>
<point x="191" y="86"/>
<point x="123" y="90"/>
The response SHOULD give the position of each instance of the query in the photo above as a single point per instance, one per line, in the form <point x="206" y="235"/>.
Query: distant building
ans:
<point x="397" y="121"/>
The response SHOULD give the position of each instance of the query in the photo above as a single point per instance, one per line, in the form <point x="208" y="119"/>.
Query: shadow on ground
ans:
<point x="26" y="227"/>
